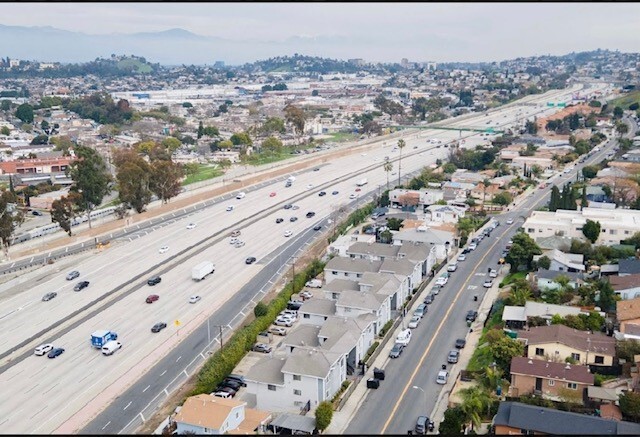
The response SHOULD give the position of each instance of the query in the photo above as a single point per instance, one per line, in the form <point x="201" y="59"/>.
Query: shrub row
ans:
<point x="354" y="219"/>
<point x="385" y="328"/>
<point x="371" y="350"/>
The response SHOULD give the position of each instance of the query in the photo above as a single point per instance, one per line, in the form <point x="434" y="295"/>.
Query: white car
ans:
<point x="288" y="233"/>
<point x="442" y="280"/>
<point x="241" y="195"/>
<point x="404" y="337"/>
<point x="462" y="257"/>
<point x="310" y="186"/>
<point x="194" y="299"/>
<point x="163" y="249"/>
<point x="43" y="349"/>
<point x="352" y="196"/>
<point x="473" y="246"/>
<point x="414" y="322"/>
<point x="239" y="243"/>
<point x="510" y="221"/>
<point x="488" y="283"/>
<point x="493" y="273"/>
<point x="233" y="241"/>
<point x="452" y="267"/>
<point x="191" y="225"/>
<point x="443" y="375"/>
<point x="284" y="321"/>
<point x="230" y="208"/>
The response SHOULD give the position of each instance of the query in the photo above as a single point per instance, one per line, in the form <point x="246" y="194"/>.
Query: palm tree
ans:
<point x="474" y="401"/>
<point x="401" y="145"/>
<point x="485" y="183"/>
<point x="387" y="166"/>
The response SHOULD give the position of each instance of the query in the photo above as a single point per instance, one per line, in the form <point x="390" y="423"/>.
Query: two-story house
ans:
<point x="628" y="317"/>
<point x="444" y="214"/>
<point x="627" y="286"/>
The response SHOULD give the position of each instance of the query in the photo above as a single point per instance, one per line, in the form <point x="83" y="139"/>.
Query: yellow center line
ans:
<point x="424" y="355"/>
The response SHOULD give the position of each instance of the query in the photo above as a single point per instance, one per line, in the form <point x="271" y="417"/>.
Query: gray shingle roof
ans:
<point x="267" y="371"/>
<point x="353" y="265"/>
<point x="376" y="249"/>
<point x="402" y="267"/>
<point x="360" y="299"/>
<point x="552" y="275"/>
<point x="324" y="307"/>
<point x="302" y="335"/>
<point x="550" y="421"/>
<point x="629" y="266"/>
<point x="339" y="285"/>
<point x="433" y="236"/>
<point x="310" y="362"/>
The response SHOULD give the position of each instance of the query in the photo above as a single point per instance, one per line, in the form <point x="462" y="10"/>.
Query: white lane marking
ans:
<point x="128" y="405"/>
<point x="106" y="425"/>
<point x="180" y="357"/>
<point x="163" y="373"/>
<point x="147" y="388"/>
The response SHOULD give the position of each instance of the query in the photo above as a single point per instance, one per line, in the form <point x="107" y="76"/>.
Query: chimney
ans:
<point x="530" y="361"/>
<point x="568" y="366"/>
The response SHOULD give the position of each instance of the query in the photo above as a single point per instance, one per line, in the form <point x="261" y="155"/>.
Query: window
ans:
<point x="271" y="387"/>
<point x="306" y="316"/>
<point x="334" y="296"/>
<point x="572" y="385"/>
<point x="612" y="232"/>
<point x="358" y="275"/>
<point x="297" y="378"/>
<point x="575" y="357"/>
<point x="599" y="359"/>
<point x="334" y="272"/>
<point x="347" y="310"/>
<point x="551" y="383"/>
<point x="297" y="392"/>
<point x="539" y="351"/>
<point x="626" y="232"/>
<point x="531" y="230"/>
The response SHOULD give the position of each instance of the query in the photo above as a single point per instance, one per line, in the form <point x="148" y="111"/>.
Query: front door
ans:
<point x="539" y="384"/>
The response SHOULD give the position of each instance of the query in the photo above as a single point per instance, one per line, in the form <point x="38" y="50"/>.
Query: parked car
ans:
<point x="158" y="327"/>
<point x="471" y="316"/>
<point x="261" y="347"/>
<point x="510" y="221"/>
<point x="396" y="350"/>
<point x="429" y="298"/>
<point x="73" y="275"/>
<point x="421" y="310"/>
<point x="238" y="378"/>
<point x="49" y="296"/>
<point x="284" y="321"/>
<point x="278" y="330"/>
<point x="453" y="356"/>
<point x="473" y="246"/>
<point x="152" y="298"/>
<point x="452" y="267"/>
<point x="80" y="285"/>
<point x="436" y="289"/>
<point x="442" y="280"/>
<point x="488" y="283"/>
<point x="442" y="377"/>
<point x="460" y="343"/>
<point x="231" y="383"/>
<point x="306" y="294"/>
<point x="462" y="257"/>
<point x="493" y="273"/>
<point x="55" y="352"/>
<point x="404" y="337"/>
<point x="228" y="390"/>
<point x="414" y="322"/>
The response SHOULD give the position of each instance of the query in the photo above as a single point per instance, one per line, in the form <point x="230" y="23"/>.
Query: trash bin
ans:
<point x="373" y="383"/>
<point x="378" y="374"/>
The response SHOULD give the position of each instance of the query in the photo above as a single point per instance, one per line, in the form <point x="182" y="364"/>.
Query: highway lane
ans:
<point x="444" y="323"/>
<point x="82" y="339"/>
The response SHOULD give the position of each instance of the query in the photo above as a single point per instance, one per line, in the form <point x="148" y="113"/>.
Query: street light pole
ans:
<point x="425" y="396"/>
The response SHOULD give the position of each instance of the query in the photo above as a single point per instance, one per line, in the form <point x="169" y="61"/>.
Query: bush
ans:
<point x="260" y="310"/>
<point x="385" y="328"/>
<point x="324" y="414"/>
<point x="371" y="350"/>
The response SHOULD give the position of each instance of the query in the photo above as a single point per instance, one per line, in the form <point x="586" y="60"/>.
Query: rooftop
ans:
<point x="551" y="370"/>
<point x="581" y="340"/>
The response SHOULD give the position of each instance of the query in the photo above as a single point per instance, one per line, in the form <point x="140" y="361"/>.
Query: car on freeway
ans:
<point x="414" y="322"/>
<point x="316" y="169"/>
<point x="309" y="186"/>
<point x="460" y="343"/>
<point x="49" y="296"/>
<point x="396" y="350"/>
<point x="472" y="315"/>
<point x="453" y="356"/>
<point x="250" y="260"/>
<point x="442" y="377"/>
<point x="236" y="233"/>
<point x="288" y="233"/>
<point x="233" y="241"/>
<point x="429" y="298"/>
<point x="279" y="220"/>
<point x="493" y="273"/>
<point x="310" y="214"/>
<point x="278" y="330"/>
<point x="152" y="298"/>
<point x="510" y="221"/>
<point x="288" y="206"/>
<point x="317" y="227"/>
<point x="195" y="298"/>
<point x="158" y="327"/>
<point x="488" y="283"/>
<point x="163" y="249"/>
<point x="294" y="207"/>
<point x="335" y="193"/>
<point x="462" y="257"/>
<point x="154" y="280"/>
<point x="43" y="349"/>
<point x="73" y="275"/>
<point x="261" y="347"/>
<point x="293" y="219"/>
<point x="55" y="352"/>
<point x="352" y="196"/>
<point x="358" y="189"/>
<point x="241" y="195"/>
<point x="80" y="285"/>
<point x="322" y="193"/>
<point x="238" y="244"/>
<point x="230" y="208"/>
<point x="272" y="194"/>
<point x="191" y="225"/>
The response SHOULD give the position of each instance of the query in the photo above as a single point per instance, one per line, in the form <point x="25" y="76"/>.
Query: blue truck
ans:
<point x="102" y="337"/>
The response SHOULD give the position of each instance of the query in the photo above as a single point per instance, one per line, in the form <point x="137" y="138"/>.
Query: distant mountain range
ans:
<point x="169" y="47"/>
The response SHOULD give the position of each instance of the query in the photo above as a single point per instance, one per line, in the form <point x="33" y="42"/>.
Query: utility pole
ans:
<point x="293" y="276"/>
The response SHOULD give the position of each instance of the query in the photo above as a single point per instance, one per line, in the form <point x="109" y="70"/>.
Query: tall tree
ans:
<point x="10" y="219"/>
<point x="164" y="180"/>
<point x="64" y="210"/>
<point x="401" y="145"/>
<point x="91" y="178"/>
<point x="522" y="251"/>
<point x="554" y="200"/>
<point x="133" y="184"/>
<point x="324" y="414"/>
<point x="25" y="113"/>
<point x="387" y="167"/>
<point x="296" y="117"/>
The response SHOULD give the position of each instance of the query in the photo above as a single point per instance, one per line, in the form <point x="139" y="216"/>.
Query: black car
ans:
<point x="460" y="343"/>
<point x="335" y="193"/>
<point x="322" y="193"/>
<point x="238" y="378"/>
<point x="466" y="250"/>
<point x="293" y="219"/>
<point x="250" y="260"/>
<point x="34" y="212"/>
<point x="430" y="297"/>
<point x="80" y="285"/>
<point x="471" y="316"/>
<point x="317" y="228"/>
<point x="288" y="206"/>
<point x="230" y="383"/>
<point x="154" y="280"/>
<point x="310" y="214"/>
<point x="158" y="327"/>
<point x="55" y="352"/>
<point x="279" y="220"/>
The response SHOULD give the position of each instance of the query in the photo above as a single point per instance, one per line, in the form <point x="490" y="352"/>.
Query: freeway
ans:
<point x="41" y="394"/>
<point x="445" y="321"/>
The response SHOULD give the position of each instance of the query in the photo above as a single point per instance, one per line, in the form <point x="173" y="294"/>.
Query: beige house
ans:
<point x="628" y="315"/>
<point x="548" y="379"/>
<point x="559" y="342"/>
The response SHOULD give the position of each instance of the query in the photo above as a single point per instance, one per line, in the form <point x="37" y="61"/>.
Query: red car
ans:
<point x="358" y="189"/>
<point x="272" y="194"/>
<point x="152" y="298"/>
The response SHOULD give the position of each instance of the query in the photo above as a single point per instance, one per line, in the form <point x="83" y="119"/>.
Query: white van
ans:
<point x="241" y="195"/>
<point x="110" y="347"/>
<point x="404" y="337"/>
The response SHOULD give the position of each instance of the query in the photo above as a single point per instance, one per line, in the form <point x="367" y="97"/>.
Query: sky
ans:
<point x="378" y="32"/>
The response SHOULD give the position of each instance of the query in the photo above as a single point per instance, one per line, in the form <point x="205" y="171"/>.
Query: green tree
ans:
<point x="10" y="219"/>
<point x="164" y="179"/>
<point x="171" y="144"/>
<point x="273" y="125"/>
<point x="5" y="131"/>
<point x="504" y="350"/>
<point x="453" y="421"/>
<point x="419" y="106"/>
<point x="503" y="198"/>
<point x="200" y="130"/>
<point x="606" y="299"/>
<point x="64" y="210"/>
<point x="544" y="262"/>
<point x="324" y="414"/>
<point x="591" y="230"/>
<point x="91" y="178"/>
<point x="40" y="139"/>
<point x="618" y="112"/>
<point x="272" y="145"/>
<point x="630" y="405"/>
<point x="394" y="224"/>
<point x="260" y="310"/>
<point x="296" y="117"/>
<point x="589" y="171"/>
<point x="25" y="113"/>
<point x="210" y="131"/>
<point x="387" y="167"/>
<point x="522" y="251"/>
<point x="475" y="401"/>
<point x="241" y="139"/>
<point x="554" y="201"/>
<point x="531" y="127"/>
<point x="5" y="105"/>
<point x="401" y="145"/>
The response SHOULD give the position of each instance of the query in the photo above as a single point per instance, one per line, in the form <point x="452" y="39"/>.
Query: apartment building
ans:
<point x="615" y="225"/>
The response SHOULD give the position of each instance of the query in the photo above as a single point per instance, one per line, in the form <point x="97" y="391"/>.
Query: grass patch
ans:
<point x="342" y="137"/>
<point x="260" y="159"/>
<point x="511" y="277"/>
<point x="204" y="173"/>
<point x="626" y="100"/>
